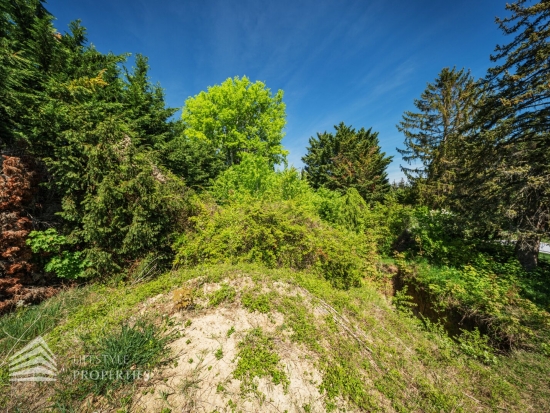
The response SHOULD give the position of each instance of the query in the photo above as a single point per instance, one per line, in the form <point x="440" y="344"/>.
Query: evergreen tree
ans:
<point x="98" y="129"/>
<point x="196" y="160"/>
<point x="508" y="155"/>
<point x="27" y="43"/>
<point x="348" y="159"/>
<point x="433" y="134"/>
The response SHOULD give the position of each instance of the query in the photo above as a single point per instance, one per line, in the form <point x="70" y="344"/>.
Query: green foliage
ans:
<point x="489" y="293"/>
<point x="279" y="234"/>
<point x="196" y="160"/>
<point x="439" y="237"/>
<point x="99" y="129"/>
<point x="133" y="210"/>
<point x="433" y="135"/>
<point x="403" y="302"/>
<point x="343" y="378"/>
<point x="257" y="302"/>
<point x="473" y="344"/>
<point x="258" y="358"/>
<point x="238" y="116"/>
<point x="64" y="264"/>
<point x="254" y="178"/>
<point x="512" y="133"/>
<point x="26" y="323"/>
<point x="226" y="293"/>
<point x="348" y="159"/>
<point x="131" y="351"/>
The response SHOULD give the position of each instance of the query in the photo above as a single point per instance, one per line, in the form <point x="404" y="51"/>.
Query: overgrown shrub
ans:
<point x="254" y="178"/>
<point x="438" y="236"/>
<point x="489" y="294"/>
<point x="277" y="234"/>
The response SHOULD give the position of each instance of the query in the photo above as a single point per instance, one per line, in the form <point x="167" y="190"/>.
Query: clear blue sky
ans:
<point x="360" y="62"/>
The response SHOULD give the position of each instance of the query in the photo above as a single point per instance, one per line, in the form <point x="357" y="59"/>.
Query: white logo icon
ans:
<point x="35" y="362"/>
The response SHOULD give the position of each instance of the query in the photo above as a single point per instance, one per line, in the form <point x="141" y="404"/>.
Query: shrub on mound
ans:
<point x="277" y="234"/>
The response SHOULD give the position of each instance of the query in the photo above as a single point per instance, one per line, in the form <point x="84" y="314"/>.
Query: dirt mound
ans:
<point x="213" y="370"/>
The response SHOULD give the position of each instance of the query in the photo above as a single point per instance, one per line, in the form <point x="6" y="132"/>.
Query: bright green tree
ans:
<point x="238" y="116"/>
<point x="348" y="159"/>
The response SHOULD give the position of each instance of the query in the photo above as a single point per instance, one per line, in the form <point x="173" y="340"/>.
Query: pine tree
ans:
<point x="26" y="51"/>
<point x="98" y="130"/>
<point x="348" y="159"/>
<point x="508" y="155"/>
<point x="433" y="134"/>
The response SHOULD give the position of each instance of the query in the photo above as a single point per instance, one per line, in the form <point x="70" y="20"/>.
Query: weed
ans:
<point x="126" y="355"/>
<point x="257" y="358"/>
<point x="182" y="298"/>
<point x="473" y="344"/>
<point x="257" y="302"/>
<point x="225" y="294"/>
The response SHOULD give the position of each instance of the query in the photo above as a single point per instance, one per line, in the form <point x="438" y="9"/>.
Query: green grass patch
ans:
<point x="254" y="301"/>
<point x="257" y="357"/>
<point x="109" y="367"/>
<point x="225" y="293"/>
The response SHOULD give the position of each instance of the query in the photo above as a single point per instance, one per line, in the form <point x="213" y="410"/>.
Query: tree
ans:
<point x="433" y="134"/>
<point x="238" y="116"/>
<point x="96" y="130"/>
<point x="348" y="159"/>
<point x="27" y="46"/>
<point x="509" y="153"/>
<point x="196" y="160"/>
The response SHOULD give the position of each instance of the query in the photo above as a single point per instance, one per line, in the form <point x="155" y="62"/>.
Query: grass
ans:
<point x="226" y="293"/>
<point x="258" y="358"/>
<point x="125" y="355"/>
<point x="22" y="326"/>
<point x="254" y="301"/>
<point x="370" y="354"/>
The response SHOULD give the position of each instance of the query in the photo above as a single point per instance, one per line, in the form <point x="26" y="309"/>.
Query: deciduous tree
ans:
<point x="238" y="116"/>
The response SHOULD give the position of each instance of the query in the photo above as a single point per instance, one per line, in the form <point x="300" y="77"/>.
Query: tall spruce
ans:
<point x="434" y="132"/>
<point x="348" y="159"/>
<point x="509" y="154"/>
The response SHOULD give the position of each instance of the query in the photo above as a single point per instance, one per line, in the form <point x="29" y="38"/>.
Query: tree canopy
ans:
<point x="348" y="159"/>
<point x="508" y="150"/>
<point x="434" y="132"/>
<point x="238" y="116"/>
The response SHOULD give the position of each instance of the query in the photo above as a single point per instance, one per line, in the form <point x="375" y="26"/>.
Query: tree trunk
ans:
<point x="527" y="252"/>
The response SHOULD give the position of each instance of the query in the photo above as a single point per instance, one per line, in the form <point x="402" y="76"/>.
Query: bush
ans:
<point x="277" y="234"/>
<point x="64" y="263"/>
<point x="254" y="178"/>
<point x="488" y="293"/>
<point x="438" y="237"/>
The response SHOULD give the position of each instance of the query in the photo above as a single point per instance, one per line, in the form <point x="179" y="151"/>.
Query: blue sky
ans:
<point x="360" y="62"/>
